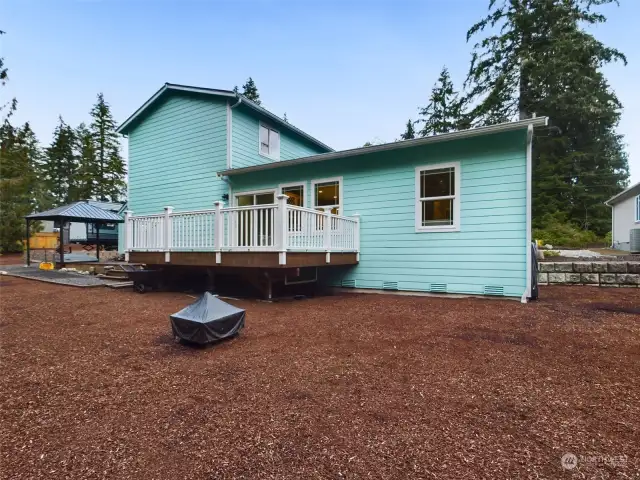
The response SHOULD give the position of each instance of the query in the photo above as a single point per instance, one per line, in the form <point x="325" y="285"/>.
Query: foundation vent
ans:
<point x="494" y="290"/>
<point x="349" y="283"/>
<point x="390" y="285"/>
<point x="438" y="288"/>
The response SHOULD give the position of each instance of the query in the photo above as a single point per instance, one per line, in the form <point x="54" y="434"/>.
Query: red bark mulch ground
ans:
<point x="362" y="386"/>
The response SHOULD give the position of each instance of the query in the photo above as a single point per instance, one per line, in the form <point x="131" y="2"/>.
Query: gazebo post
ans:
<point x="97" y="225"/>
<point x="28" y="246"/>
<point x="61" y="242"/>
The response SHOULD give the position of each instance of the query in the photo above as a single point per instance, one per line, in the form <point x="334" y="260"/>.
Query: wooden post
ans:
<point x="281" y="228"/>
<point x="327" y="233"/>
<point x="97" y="227"/>
<point x="218" y="230"/>
<point x="127" y="234"/>
<point x="61" y="242"/>
<point x="28" y="246"/>
<point x="168" y="233"/>
<point x="356" y="239"/>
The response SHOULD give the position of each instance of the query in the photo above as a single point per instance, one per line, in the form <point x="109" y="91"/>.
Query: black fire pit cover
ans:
<point x="207" y="320"/>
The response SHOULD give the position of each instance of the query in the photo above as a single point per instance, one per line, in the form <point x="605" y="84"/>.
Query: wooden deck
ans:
<point x="245" y="259"/>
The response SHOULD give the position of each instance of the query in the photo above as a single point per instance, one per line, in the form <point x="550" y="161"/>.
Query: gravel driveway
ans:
<point x="362" y="386"/>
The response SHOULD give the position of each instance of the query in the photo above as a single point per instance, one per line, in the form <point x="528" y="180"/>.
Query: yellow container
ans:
<point x="46" y="266"/>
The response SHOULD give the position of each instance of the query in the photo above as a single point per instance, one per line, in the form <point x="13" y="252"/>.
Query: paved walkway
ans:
<point x="54" y="276"/>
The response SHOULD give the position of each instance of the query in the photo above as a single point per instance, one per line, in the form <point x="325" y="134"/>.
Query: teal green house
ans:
<point x="218" y="181"/>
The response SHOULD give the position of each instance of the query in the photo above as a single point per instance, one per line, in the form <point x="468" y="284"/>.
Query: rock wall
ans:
<point x="604" y="274"/>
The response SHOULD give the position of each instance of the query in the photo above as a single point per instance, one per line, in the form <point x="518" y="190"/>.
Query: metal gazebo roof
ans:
<point x="79" y="212"/>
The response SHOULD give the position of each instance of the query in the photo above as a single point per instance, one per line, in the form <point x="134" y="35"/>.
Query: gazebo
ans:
<point x="81" y="212"/>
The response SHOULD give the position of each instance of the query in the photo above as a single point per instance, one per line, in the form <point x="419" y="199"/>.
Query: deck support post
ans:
<point x="127" y="234"/>
<point x="282" y="229"/>
<point x="218" y="230"/>
<point x="327" y="233"/>
<point x="356" y="240"/>
<point x="168" y="233"/>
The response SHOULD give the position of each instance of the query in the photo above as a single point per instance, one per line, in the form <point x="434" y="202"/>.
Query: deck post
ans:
<point x="168" y="233"/>
<point x="356" y="239"/>
<point x="127" y="234"/>
<point x="218" y="230"/>
<point x="327" y="233"/>
<point x="281" y="228"/>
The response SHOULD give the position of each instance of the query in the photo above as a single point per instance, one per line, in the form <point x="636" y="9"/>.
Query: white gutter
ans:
<point x="528" y="272"/>
<point x="445" y="137"/>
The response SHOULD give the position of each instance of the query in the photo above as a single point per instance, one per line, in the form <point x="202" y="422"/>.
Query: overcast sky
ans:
<point x="344" y="71"/>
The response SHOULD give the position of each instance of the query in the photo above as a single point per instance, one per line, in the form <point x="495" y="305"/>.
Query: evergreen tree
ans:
<point x="285" y="117"/>
<point x="4" y="76"/>
<point x="110" y="171"/>
<point x="409" y="132"/>
<point x="86" y="153"/>
<point x="250" y="91"/>
<point x="444" y="112"/>
<point x="61" y="165"/>
<point x="20" y="192"/>
<point x="538" y="59"/>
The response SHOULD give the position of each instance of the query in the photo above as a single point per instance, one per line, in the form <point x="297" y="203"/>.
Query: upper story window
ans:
<point x="438" y="197"/>
<point x="269" y="142"/>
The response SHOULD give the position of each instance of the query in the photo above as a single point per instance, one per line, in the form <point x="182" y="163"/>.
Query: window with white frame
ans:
<point x="294" y="193"/>
<point x="327" y="193"/>
<point x="638" y="208"/>
<point x="438" y="197"/>
<point x="269" y="142"/>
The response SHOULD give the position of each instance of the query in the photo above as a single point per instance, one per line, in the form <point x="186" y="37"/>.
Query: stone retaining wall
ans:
<point x="604" y="274"/>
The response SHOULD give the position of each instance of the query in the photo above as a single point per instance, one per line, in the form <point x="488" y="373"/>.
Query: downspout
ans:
<point x="527" y="292"/>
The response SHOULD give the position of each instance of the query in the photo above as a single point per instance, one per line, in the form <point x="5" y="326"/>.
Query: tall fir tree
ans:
<point x="86" y="153"/>
<point x="537" y="59"/>
<point x="250" y="91"/>
<point x="20" y="188"/>
<point x="444" y="112"/>
<point x="110" y="171"/>
<point x="409" y="131"/>
<point x="61" y="165"/>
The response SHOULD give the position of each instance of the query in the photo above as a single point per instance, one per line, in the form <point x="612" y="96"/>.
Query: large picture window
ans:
<point x="269" y="142"/>
<point x="438" y="197"/>
<point x="294" y="193"/>
<point x="327" y="193"/>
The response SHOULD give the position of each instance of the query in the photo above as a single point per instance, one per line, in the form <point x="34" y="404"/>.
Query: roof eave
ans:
<point x="473" y="132"/>
<point x="623" y="195"/>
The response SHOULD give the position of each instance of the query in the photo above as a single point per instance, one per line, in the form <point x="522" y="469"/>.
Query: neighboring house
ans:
<point x="625" y="215"/>
<point x="85" y="233"/>
<point x="449" y="213"/>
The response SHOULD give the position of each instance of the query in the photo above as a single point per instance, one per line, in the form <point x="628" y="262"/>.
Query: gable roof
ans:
<point x="472" y="132"/>
<point x="127" y="125"/>
<point x="78" y="211"/>
<point x="632" y="191"/>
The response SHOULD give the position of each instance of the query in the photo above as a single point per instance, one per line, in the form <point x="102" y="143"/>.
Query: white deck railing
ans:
<point x="259" y="228"/>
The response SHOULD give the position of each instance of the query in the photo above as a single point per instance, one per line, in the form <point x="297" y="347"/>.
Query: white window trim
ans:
<point x="254" y="192"/>
<point x="456" y="199"/>
<point x="302" y="183"/>
<point x="340" y="192"/>
<point x="268" y="127"/>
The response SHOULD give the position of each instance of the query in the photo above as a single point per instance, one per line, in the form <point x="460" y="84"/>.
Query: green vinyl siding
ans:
<point x="488" y="251"/>
<point x="174" y="154"/>
<point x="245" y="143"/>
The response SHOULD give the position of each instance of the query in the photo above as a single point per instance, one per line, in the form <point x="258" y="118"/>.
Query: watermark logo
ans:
<point x="569" y="461"/>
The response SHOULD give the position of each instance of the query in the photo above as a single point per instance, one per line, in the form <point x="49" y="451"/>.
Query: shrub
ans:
<point x="564" y="234"/>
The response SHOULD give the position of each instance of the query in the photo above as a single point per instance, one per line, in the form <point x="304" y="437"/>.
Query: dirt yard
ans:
<point x="364" y="386"/>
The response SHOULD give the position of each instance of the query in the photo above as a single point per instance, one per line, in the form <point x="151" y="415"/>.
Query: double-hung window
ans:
<point x="638" y="209"/>
<point x="438" y="197"/>
<point x="269" y="142"/>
